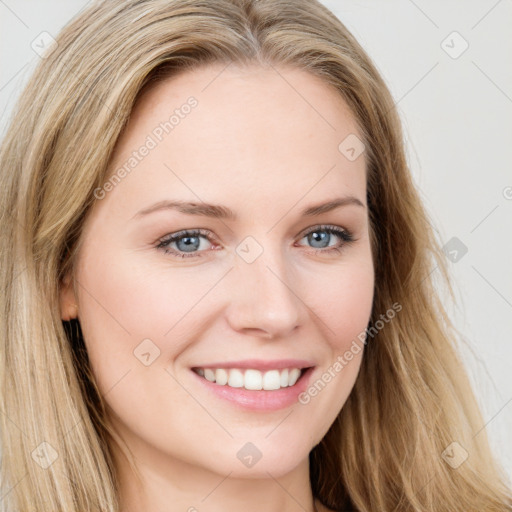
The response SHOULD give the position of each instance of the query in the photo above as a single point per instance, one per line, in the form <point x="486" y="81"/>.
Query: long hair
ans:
<point x="411" y="408"/>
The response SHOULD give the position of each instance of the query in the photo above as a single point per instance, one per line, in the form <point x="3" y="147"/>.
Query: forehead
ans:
<point x="271" y="134"/>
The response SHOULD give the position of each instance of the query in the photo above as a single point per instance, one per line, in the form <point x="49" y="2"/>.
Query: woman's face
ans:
<point x="252" y="287"/>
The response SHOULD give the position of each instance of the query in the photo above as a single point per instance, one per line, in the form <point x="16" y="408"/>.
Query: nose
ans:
<point x="263" y="300"/>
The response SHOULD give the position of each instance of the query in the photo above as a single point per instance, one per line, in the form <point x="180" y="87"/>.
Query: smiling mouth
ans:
<point x="252" y="379"/>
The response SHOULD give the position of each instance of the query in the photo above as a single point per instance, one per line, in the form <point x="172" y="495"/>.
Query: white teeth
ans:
<point x="209" y="375"/>
<point x="236" y="378"/>
<point x="251" y="379"/>
<point x="221" y="376"/>
<point x="272" y="380"/>
<point x="284" y="378"/>
<point x="294" y="376"/>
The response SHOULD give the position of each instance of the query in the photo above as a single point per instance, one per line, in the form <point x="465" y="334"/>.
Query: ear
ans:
<point x="67" y="299"/>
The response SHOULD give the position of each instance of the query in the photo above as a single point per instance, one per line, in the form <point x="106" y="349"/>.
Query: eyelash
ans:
<point x="163" y="243"/>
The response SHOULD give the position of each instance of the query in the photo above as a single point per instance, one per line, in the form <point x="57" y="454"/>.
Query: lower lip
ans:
<point x="259" y="400"/>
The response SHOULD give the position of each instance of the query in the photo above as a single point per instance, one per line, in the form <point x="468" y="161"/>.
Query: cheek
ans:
<point x="343" y="300"/>
<point x="126" y="301"/>
<point x="114" y="306"/>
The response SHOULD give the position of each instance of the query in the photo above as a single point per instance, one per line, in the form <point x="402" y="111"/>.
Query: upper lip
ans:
<point x="260" y="364"/>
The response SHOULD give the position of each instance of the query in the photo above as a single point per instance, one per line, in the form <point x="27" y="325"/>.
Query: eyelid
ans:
<point x="322" y="227"/>
<point x="170" y="237"/>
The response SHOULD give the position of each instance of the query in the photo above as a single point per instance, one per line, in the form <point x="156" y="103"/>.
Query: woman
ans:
<point x="217" y="277"/>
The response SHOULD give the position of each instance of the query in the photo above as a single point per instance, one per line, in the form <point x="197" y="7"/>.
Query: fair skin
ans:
<point x="257" y="146"/>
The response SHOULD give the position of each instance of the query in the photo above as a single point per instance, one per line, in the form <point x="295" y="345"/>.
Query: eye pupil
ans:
<point x="319" y="236"/>
<point x="189" y="244"/>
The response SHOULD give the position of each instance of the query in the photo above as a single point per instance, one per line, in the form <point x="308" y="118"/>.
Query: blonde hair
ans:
<point x="412" y="397"/>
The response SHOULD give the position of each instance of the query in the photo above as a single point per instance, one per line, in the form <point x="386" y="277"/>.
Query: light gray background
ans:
<point x="457" y="119"/>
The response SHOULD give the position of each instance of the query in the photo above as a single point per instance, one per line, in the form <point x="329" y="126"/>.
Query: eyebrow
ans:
<point x="223" y="212"/>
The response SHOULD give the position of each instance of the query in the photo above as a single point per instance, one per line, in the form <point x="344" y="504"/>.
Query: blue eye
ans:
<point x="188" y="242"/>
<point x="320" y="234"/>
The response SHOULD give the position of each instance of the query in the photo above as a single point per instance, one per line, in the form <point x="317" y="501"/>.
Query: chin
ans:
<point x="257" y="457"/>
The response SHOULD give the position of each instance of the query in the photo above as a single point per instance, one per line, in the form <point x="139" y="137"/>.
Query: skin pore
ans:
<point x="262" y="142"/>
